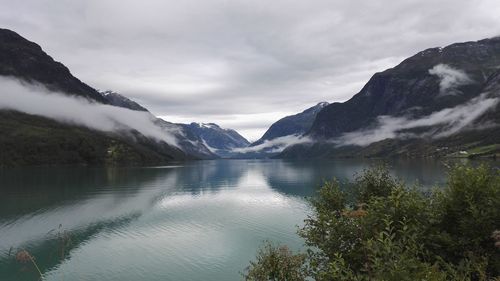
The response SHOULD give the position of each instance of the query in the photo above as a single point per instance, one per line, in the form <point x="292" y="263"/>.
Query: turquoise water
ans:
<point x="192" y="221"/>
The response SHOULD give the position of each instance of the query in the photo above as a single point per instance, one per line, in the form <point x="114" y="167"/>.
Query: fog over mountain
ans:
<point x="293" y="125"/>
<point x="451" y="120"/>
<point x="438" y="102"/>
<point x="35" y="99"/>
<point x="451" y="78"/>
<point x="241" y="64"/>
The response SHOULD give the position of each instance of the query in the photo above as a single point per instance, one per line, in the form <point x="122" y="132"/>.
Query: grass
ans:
<point x="491" y="150"/>
<point x="485" y="149"/>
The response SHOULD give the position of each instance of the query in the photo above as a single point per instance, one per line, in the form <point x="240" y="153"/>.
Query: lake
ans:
<point x="200" y="220"/>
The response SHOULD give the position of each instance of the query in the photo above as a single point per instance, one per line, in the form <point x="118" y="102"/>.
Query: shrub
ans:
<point x="391" y="232"/>
<point x="276" y="263"/>
<point x="467" y="214"/>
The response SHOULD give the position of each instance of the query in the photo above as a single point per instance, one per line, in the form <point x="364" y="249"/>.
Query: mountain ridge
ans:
<point x="220" y="141"/>
<point x="203" y="140"/>
<point x="296" y="124"/>
<point x="413" y="68"/>
<point x="439" y="102"/>
<point x="35" y="140"/>
<point x="119" y="100"/>
<point x="26" y="60"/>
<point x="432" y="82"/>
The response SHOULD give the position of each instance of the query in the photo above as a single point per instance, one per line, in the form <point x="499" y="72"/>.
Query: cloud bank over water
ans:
<point x="275" y="145"/>
<point x="37" y="100"/>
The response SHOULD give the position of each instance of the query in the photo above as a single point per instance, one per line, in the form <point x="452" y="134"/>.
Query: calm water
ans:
<point x="194" y="221"/>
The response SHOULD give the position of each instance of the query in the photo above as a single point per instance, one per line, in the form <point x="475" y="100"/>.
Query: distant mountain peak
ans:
<point x="317" y="107"/>
<point x="207" y="125"/>
<point x="218" y="139"/>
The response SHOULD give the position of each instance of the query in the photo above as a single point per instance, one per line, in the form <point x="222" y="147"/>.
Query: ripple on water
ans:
<point x="199" y="221"/>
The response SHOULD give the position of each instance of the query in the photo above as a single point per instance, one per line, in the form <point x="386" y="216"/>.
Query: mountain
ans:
<point x="27" y="61"/>
<point x="220" y="141"/>
<point x="190" y="142"/>
<point x="36" y="140"/>
<point x="116" y="99"/>
<point x="439" y="102"/>
<point x="297" y="124"/>
<point x="284" y="132"/>
<point x="203" y="140"/>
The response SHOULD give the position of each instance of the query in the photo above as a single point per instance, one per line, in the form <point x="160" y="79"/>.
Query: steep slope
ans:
<point x="188" y="141"/>
<point x="116" y="99"/>
<point x="26" y="60"/>
<point x="411" y="86"/>
<point x="438" y="96"/>
<point x="35" y="140"/>
<point x="217" y="137"/>
<point x="297" y="124"/>
<point x="220" y="141"/>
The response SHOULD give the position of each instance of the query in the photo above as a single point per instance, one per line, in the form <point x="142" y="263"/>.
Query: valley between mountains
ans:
<point x="441" y="102"/>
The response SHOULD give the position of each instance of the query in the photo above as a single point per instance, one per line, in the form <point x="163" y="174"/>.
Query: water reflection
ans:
<point x="33" y="189"/>
<point x="303" y="178"/>
<point x="197" y="221"/>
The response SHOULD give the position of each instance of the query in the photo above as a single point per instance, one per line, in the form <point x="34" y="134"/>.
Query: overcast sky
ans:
<point x="241" y="64"/>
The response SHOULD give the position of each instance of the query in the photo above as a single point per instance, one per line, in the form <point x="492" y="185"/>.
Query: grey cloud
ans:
<point x="233" y="57"/>
<point x="37" y="100"/>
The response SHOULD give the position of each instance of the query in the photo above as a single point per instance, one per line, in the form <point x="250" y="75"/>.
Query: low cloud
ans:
<point x="37" y="100"/>
<point x="275" y="145"/>
<point x="451" y="78"/>
<point x="446" y="122"/>
<point x="266" y="55"/>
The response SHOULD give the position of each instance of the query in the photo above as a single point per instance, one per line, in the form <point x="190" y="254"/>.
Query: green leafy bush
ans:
<point x="276" y="263"/>
<point x="392" y="232"/>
